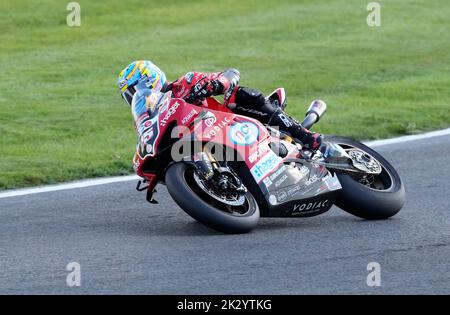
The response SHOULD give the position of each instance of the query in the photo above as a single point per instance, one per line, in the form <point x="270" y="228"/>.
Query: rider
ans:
<point x="194" y="87"/>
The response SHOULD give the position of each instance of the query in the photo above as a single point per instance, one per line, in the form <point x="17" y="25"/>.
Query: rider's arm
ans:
<point x="228" y="80"/>
<point x="198" y="85"/>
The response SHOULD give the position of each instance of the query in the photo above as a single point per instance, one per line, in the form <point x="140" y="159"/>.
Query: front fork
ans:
<point x="203" y="161"/>
<point x="208" y="167"/>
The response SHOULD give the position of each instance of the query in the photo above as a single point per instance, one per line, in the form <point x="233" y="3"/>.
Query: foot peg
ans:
<point x="150" y="192"/>
<point x="139" y="184"/>
<point x="149" y="196"/>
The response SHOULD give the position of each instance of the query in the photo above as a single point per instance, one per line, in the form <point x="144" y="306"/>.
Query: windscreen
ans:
<point x="146" y="100"/>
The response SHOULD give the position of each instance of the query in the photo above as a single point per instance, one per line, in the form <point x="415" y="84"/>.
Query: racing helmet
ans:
<point x="141" y="74"/>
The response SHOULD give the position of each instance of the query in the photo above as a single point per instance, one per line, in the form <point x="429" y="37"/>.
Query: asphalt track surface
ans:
<point x="125" y="245"/>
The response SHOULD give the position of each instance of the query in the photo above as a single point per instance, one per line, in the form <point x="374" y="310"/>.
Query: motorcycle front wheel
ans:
<point x="206" y="206"/>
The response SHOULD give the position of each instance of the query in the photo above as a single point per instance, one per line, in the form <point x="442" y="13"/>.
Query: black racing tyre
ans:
<point x="362" y="200"/>
<point x="191" y="199"/>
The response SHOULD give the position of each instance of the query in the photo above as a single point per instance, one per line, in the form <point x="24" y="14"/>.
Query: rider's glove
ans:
<point x="217" y="87"/>
<point x="203" y="89"/>
<point x="312" y="140"/>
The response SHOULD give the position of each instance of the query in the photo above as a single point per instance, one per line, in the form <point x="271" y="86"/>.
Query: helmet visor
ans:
<point x="127" y="95"/>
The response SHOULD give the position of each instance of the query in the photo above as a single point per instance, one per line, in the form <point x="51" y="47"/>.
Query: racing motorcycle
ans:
<point x="226" y="170"/>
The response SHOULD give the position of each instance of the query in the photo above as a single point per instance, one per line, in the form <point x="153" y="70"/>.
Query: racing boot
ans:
<point x="310" y="140"/>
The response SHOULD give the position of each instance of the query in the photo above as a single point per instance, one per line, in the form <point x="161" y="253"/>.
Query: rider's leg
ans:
<point x="252" y="103"/>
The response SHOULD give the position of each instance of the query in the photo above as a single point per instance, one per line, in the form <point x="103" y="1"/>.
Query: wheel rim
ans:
<point x="379" y="182"/>
<point x="244" y="208"/>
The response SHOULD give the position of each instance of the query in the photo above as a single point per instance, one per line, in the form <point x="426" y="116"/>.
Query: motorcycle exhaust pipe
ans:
<point x="315" y="111"/>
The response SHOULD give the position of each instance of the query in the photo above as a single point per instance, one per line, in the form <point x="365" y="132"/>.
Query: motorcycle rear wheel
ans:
<point x="220" y="217"/>
<point x="376" y="199"/>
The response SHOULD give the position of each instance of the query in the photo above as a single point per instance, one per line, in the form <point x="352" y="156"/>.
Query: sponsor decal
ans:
<point x="282" y="196"/>
<point x="267" y="181"/>
<point x="244" y="133"/>
<point x="169" y="113"/>
<point x="253" y="111"/>
<point x="321" y="189"/>
<point x="310" y="206"/>
<point x="183" y="92"/>
<point x="281" y="180"/>
<point x="333" y="183"/>
<point x="189" y="116"/>
<point x="198" y="86"/>
<point x="146" y="136"/>
<point x="209" y="119"/>
<point x="217" y="127"/>
<point x="188" y="77"/>
<point x="260" y="150"/>
<point x="312" y="180"/>
<point x="304" y="186"/>
<point x="123" y="83"/>
<point x="285" y="120"/>
<point x="292" y="191"/>
<point x="278" y="172"/>
<point x="265" y="166"/>
<point x="145" y="125"/>
<point x="308" y="186"/>
<point x="142" y="118"/>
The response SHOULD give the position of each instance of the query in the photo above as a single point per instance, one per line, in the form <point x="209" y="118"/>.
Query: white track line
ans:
<point x="432" y="134"/>
<point x="118" y="179"/>
<point x="66" y="186"/>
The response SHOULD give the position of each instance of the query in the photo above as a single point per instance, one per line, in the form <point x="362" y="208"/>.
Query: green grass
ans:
<point x="61" y="117"/>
